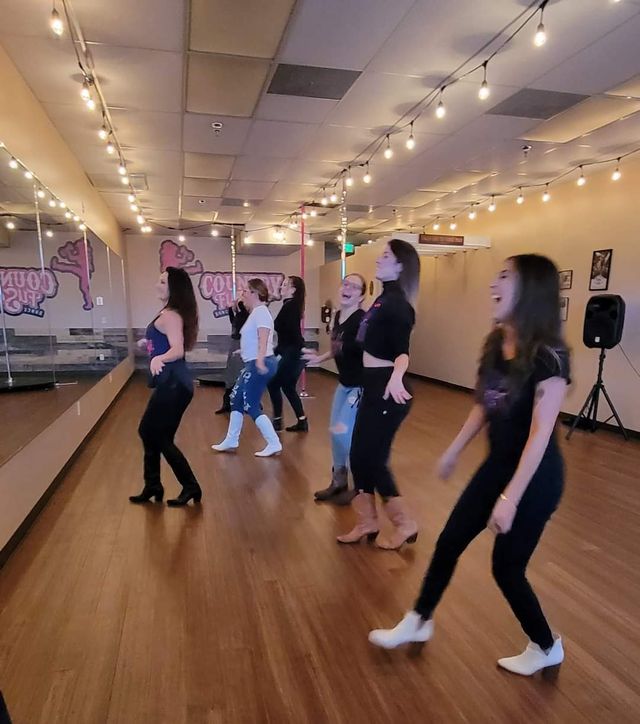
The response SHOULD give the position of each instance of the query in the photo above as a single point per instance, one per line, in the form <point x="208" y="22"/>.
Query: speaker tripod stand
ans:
<point x="588" y="415"/>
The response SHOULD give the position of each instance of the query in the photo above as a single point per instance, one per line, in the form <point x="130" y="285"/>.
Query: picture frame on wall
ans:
<point x="564" y="308"/>
<point x="600" y="270"/>
<point x="566" y="279"/>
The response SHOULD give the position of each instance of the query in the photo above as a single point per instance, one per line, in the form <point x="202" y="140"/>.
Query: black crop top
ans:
<point x="347" y="352"/>
<point x="287" y="327"/>
<point x="509" y="414"/>
<point x="386" y="327"/>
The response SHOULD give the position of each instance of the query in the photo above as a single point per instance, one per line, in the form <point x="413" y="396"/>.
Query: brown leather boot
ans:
<point x="366" y="520"/>
<point x="405" y="529"/>
<point x="339" y="482"/>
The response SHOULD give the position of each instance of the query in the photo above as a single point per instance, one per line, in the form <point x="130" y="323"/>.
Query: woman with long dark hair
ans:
<point x="347" y="353"/>
<point x="237" y="316"/>
<point x="384" y="332"/>
<point x="288" y="327"/>
<point x="260" y="363"/>
<point x="522" y="382"/>
<point x="172" y="333"/>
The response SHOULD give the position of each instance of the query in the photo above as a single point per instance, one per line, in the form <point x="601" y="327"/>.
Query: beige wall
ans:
<point x="454" y="308"/>
<point x="28" y="133"/>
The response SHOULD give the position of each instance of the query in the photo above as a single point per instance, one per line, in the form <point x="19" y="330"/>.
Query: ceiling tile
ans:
<point x="148" y="130"/>
<point x="416" y="198"/>
<point x="205" y="165"/>
<point x="202" y="187"/>
<point x="194" y="203"/>
<point x="339" y="144"/>
<point x="200" y="137"/>
<point x="248" y="189"/>
<point x="224" y="85"/>
<point x="259" y="168"/>
<point x="280" y="139"/>
<point x="293" y="193"/>
<point x="629" y="89"/>
<point x="273" y="107"/>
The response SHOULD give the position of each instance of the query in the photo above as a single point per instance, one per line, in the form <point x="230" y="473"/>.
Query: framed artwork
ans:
<point x="564" y="308"/>
<point x="600" y="270"/>
<point x="566" y="279"/>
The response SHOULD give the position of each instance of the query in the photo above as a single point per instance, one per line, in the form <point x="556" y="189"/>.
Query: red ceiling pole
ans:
<point x="303" y="376"/>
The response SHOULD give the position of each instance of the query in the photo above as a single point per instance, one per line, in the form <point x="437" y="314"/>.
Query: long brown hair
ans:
<point x="183" y="300"/>
<point x="409" y="278"/>
<point x="535" y="319"/>
<point x="299" y="292"/>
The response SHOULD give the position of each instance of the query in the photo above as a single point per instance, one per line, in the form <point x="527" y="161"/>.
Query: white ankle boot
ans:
<point x="412" y="629"/>
<point x="274" y="446"/>
<point x="533" y="659"/>
<point x="233" y="433"/>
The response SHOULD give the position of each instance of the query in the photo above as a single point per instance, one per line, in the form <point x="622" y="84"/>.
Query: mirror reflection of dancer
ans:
<point x="169" y="335"/>
<point x="238" y="316"/>
<point x="347" y="353"/>
<point x="288" y="326"/>
<point x="384" y="332"/>
<point x="260" y="364"/>
<point x="522" y="381"/>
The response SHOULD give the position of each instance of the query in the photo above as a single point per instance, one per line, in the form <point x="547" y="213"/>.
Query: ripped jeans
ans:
<point x="343" y="418"/>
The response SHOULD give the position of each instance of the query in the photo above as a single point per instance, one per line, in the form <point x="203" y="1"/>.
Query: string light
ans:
<point x="411" y="141"/>
<point x="103" y="134"/>
<point x="140" y="219"/>
<point x="91" y="104"/>
<point x="145" y="229"/>
<point x="68" y="215"/>
<point x="334" y="197"/>
<point x="124" y="180"/>
<point x="436" y="225"/>
<point x="41" y="193"/>
<point x="10" y="225"/>
<point x="111" y="149"/>
<point x="540" y="38"/>
<point x="304" y="215"/>
<point x="492" y="205"/>
<point x="82" y="227"/>
<point x="131" y="198"/>
<point x="246" y="204"/>
<point x="484" y="92"/>
<point x="182" y="238"/>
<point x="441" y="111"/>
<point x="55" y="22"/>
<point x="472" y="214"/>
<point x="13" y="164"/>
<point x="215" y="232"/>
<point x="388" y="151"/>
<point x="52" y="203"/>
<point x="76" y="218"/>
<point x="324" y="200"/>
<point x="367" y="175"/>
<point x="278" y="234"/>
<point x="349" y="178"/>
<point x="122" y="170"/>
<point x="581" y="179"/>
<point x="28" y="175"/>
<point x="134" y="208"/>
<point x="62" y="204"/>
<point x="313" y="213"/>
<point x="309" y="242"/>
<point x="520" y="198"/>
<point x="616" y="175"/>
<point x="85" y="92"/>
<point x="48" y="233"/>
<point x="546" y="196"/>
<point x="454" y="224"/>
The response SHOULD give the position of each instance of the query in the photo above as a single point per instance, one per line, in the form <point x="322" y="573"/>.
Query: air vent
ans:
<point x="539" y="104"/>
<point x="309" y="82"/>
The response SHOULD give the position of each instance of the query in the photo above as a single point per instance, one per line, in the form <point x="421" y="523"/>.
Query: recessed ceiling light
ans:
<point x="217" y="126"/>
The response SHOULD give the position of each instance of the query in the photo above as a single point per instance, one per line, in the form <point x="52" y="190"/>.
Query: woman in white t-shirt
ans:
<point x="260" y="364"/>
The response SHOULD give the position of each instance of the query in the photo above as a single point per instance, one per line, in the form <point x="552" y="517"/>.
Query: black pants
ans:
<point x="285" y="380"/>
<point x="157" y="429"/>
<point x="512" y="551"/>
<point x="377" y="422"/>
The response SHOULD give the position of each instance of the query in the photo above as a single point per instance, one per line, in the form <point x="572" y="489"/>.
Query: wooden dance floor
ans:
<point x="246" y="610"/>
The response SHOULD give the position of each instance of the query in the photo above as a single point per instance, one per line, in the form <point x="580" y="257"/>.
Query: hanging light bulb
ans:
<point x="28" y="175"/>
<point x="111" y="149"/>
<point x="52" y="203"/>
<point x="436" y="224"/>
<point x="13" y="164"/>
<point x="182" y="238"/>
<point x="367" y="176"/>
<point x="453" y="225"/>
<point x="334" y="198"/>
<point x="48" y="233"/>
<point x="349" y="178"/>
<point x="135" y="208"/>
<point x="313" y="213"/>
<point x="520" y="198"/>
<point x="309" y="242"/>
<point x="91" y="104"/>
<point x="441" y="111"/>
<point x="546" y="196"/>
<point x="10" y="225"/>
<point x="492" y="205"/>
<point x="41" y="193"/>
<point x="484" y="92"/>
<point x="616" y="175"/>
<point x="122" y="169"/>
<point x="85" y="92"/>
<point x="278" y="234"/>
<point x="140" y="219"/>
<point x="304" y="215"/>
<point x="82" y="227"/>
<point x="62" y="204"/>
<point x="76" y="218"/>
<point x="131" y="198"/>
<point x="388" y="151"/>
<point x="215" y="232"/>
<point x="55" y="22"/>
<point x="246" y="204"/>
<point x="411" y="141"/>
<point x="68" y="215"/>
<point x="124" y="180"/>
<point x="540" y="38"/>
<point x="472" y="214"/>
<point x="103" y="134"/>
<point x="581" y="179"/>
<point x="324" y="200"/>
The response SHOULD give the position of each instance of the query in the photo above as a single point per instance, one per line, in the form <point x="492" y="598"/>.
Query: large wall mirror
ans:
<point x="63" y="308"/>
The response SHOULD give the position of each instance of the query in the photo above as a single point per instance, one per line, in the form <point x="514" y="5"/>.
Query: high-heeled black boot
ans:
<point x="226" y="402"/>
<point x="301" y="426"/>
<point x="148" y="492"/>
<point x="191" y="493"/>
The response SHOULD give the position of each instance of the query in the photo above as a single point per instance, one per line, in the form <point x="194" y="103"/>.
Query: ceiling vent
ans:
<point x="306" y="81"/>
<point x="538" y="104"/>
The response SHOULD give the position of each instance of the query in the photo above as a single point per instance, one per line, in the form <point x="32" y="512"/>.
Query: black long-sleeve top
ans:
<point x="386" y="327"/>
<point x="287" y="326"/>
<point x="237" y="320"/>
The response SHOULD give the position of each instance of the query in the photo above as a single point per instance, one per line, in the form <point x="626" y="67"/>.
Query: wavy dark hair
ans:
<point x="409" y="278"/>
<point x="183" y="300"/>
<point x="535" y="319"/>
<point x="299" y="292"/>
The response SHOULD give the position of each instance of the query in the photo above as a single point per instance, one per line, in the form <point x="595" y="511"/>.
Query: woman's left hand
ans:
<point x="397" y="390"/>
<point x="501" y="520"/>
<point x="156" y="366"/>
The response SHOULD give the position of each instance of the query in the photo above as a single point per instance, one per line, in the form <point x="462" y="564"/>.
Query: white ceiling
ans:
<point x="277" y="151"/>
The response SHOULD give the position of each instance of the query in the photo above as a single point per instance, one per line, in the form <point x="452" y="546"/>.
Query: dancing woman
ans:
<point x="238" y="316"/>
<point x="522" y="381"/>
<point x="384" y="333"/>
<point x="256" y="348"/>
<point x="288" y="327"/>
<point x="169" y="335"/>
<point x="347" y="353"/>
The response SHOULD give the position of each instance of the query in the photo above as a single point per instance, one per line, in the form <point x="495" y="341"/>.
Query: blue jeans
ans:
<point x="250" y="386"/>
<point x="343" y="418"/>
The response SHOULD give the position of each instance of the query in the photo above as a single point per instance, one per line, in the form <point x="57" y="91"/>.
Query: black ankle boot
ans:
<point x="226" y="403"/>
<point x="277" y="424"/>
<point x="301" y="426"/>
<point x="148" y="492"/>
<point x="192" y="493"/>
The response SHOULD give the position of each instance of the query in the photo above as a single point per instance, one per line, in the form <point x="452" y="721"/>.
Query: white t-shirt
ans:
<point x="260" y="317"/>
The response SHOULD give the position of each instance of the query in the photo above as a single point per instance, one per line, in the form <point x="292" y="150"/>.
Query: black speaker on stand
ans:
<point x="603" y="325"/>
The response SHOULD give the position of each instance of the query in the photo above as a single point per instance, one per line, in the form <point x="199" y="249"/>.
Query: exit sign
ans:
<point x="349" y="249"/>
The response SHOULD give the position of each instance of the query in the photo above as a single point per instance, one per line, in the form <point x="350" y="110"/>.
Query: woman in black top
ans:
<point x="238" y="316"/>
<point x="522" y="383"/>
<point x="288" y="327"/>
<point x="384" y="332"/>
<point x="347" y="353"/>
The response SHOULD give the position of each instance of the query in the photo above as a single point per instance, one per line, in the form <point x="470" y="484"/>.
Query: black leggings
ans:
<point x="285" y="380"/>
<point x="511" y="552"/>
<point x="157" y="429"/>
<point x="377" y="422"/>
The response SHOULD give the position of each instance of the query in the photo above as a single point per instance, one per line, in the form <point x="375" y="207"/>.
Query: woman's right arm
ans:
<point x="473" y="425"/>
<point x="313" y="358"/>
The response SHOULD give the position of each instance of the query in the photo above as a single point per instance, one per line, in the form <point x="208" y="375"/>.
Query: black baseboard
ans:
<point x="23" y="528"/>
<point x="583" y="426"/>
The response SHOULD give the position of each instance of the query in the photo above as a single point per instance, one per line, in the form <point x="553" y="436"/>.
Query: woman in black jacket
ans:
<point x="288" y="327"/>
